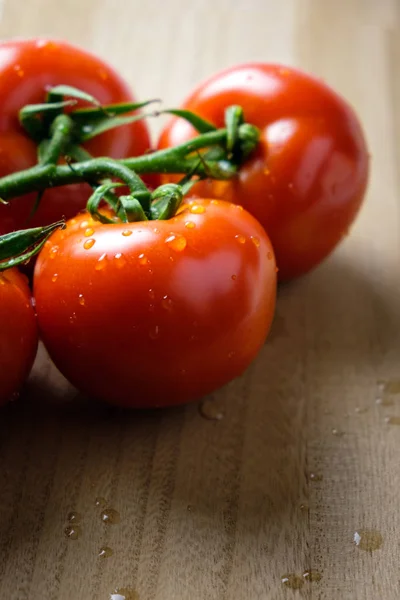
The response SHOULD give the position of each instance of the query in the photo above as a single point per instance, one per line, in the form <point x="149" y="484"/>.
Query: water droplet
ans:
<point x="210" y="410"/>
<point x="2" y="280"/>
<point x="19" y="71"/>
<point x="100" y="501"/>
<point x="313" y="576"/>
<point x="255" y="240"/>
<point x="72" y="222"/>
<point x="84" y="224"/>
<point x="103" y="74"/>
<point x="292" y="581"/>
<point x="315" y="477"/>
<point x="154" y="332"/>
<point x="54" y="278"/>
<point x="72" y="318"/>
<point x="384" y="401"/>
<point x="72" y="532"/>
<point x="73" y="517"/>
<point x="53" y="252"/>
<point x="240" y="238"/>
<point x="151" y="307"/>
<point x="368" y="539"/>
<point x="81" y="300"/>
<point x="231" y="355"/>
<point x="105" y="552"/>
<point x="177" y="242"/>
<point x="120" y="260"/>
<point x="290" y="186"/>
<point x="124" y="594"/>
<point x="101" y="263"/>
<point x="33" y="302"/>
<point x="110" y="516"/>
<point x="156" y="230"/>
<point x="190" y="225"/>
<point x="167" y="303"/>
<point x="266" y="171"/>
<point x="197" y="209"/>
<point x="392" y="420"/>
<point x="89" y="244"/>
<point x="151" y="294"/>
<point x="88" y="232"/>
<point x="234" y="277"/>
<point x="127" y="232"/>
<point x="337" y="432"/>
<point x="143" y="260"/>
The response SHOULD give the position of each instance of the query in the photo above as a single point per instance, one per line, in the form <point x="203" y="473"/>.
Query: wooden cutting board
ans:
<point x="300" y="472"/>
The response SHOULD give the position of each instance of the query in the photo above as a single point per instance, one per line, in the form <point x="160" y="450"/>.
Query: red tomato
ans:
<point x="156" y="313"/>
<point x="18" y="333"/>
<point x="27" y="69"/>
<point x="306" y="181"/>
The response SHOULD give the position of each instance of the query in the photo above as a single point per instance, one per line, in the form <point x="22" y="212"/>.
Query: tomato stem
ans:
<point x="173" y="160"/>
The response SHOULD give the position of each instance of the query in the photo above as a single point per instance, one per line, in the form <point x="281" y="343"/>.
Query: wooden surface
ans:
<point x="303" y="458"/>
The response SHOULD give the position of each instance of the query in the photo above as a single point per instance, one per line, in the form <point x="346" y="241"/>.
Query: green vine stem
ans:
<point x="172" y="160"/>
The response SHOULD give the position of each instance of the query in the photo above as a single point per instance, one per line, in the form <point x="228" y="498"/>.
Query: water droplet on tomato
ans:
<point x="143" y="260"/>
<point x="53" y="251"/>
<point x="151" y="294"/>
<point x="151" y="307"/>
<point x="19" y="71"/>
<point x="231" y="355"/>
<point x="240" y="238"/>
<point x="84" y="225"/>
<point x="190" y="225"/>
<point x="120" y="260"/>
<point x="101" y="263"/>
<point x="167" y="303"/>
<point x="2" y="280"/>
<point x="110" y="516"/>
<point x="154" y="332"/>
<point x="214" y="202"/>
<point x="234" y="277"/>
<point x="290" y="186"/>
<point x="89" y="244"/>
<point x="54" y="278"/>
<point x="81" y="300"/>
<point x="197" y="209"/>
<point x="103" y="74"/>
<point x="127" y="232"/>
<point x="72" y="222"/>
<point x="210" y="410"/>
<point x="266" y="171"/>
<point x="255" y="240"/>
<point x="156" y="230"/>
<point x="72" y="318"/>
<point x="105" y="552"/>
<point x="89" y="231"/>
<point x="177" y="242"/>
<point x="72" y="532"/>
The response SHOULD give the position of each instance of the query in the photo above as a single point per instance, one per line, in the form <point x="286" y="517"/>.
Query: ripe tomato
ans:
<point x="156" y="313"/>
<point x="18" y="333"/>
<point x="306" y="181"/>
<point x="27" y="69"/>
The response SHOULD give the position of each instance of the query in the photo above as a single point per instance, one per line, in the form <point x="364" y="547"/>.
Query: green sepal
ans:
<point x="19" y="246"/>
<point x="201" y="125"/>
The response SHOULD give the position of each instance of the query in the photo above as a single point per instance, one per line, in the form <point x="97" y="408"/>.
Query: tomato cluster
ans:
<point x="173" y="299"/>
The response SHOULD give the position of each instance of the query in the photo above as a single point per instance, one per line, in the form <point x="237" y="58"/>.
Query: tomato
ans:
<point x="27" y="69"/>
<point x="156" y="313"/>
<point x="18" y="333"/>
<point x="306" y="180"/>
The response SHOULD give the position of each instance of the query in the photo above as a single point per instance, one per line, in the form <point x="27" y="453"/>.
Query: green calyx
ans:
<point x="18" y="247"/>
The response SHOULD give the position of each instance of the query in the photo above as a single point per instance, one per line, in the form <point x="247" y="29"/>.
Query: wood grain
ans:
<point x="303" y="458"/>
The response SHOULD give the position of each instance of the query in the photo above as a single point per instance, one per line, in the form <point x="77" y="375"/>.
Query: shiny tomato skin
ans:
<point x="306" y="181"/>
<point x="156" y="313"/>
<point x="27" y="69"/>
<point x="18" y="333"/>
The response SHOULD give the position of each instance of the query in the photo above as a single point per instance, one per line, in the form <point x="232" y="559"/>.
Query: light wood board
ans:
<point x="220" y="510"/>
